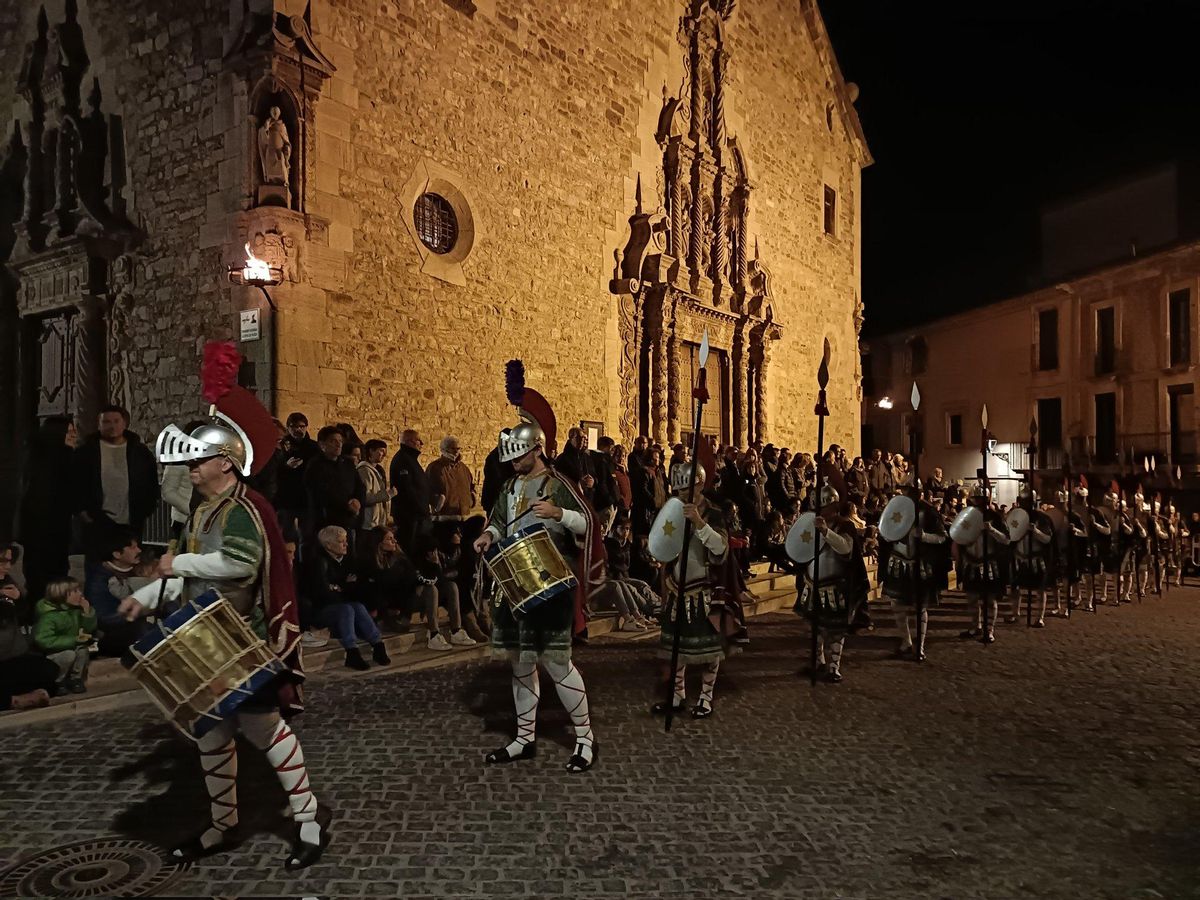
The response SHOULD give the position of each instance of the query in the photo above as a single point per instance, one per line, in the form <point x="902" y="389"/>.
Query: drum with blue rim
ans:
<point x="529" y="569"/>
<point x="201" y="663"/>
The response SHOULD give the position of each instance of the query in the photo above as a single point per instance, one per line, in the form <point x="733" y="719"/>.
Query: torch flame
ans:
<point x="255" y="269"/>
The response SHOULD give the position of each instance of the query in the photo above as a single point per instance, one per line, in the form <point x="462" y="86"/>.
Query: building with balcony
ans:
<point x="1104" y="360"/>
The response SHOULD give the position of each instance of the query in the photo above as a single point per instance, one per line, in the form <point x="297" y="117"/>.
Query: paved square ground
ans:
<point x="1055" y="763"/>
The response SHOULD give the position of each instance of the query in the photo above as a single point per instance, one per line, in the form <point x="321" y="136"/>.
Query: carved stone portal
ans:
<point x="685" y="269"/>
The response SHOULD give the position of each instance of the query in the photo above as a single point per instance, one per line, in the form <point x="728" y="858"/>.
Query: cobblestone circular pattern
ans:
<point x="102" y="868"/>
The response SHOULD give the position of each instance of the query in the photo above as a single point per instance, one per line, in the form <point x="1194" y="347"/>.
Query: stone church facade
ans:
<point x="440" y="185"/>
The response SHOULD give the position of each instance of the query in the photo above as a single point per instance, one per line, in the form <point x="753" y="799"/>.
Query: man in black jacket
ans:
<point x="606" y="496"/>
<point x="334" y="490"/>
<point x="410" y="506"/>
<point x="295" y="450"/>
<point x="576" y="463"/>
<point x="115" y="480"/>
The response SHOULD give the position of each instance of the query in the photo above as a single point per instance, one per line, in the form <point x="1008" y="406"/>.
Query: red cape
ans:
<point x="278" y="591"/>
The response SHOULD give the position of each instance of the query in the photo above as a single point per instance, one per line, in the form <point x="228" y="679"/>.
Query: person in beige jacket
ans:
<point x="451" y="482"/>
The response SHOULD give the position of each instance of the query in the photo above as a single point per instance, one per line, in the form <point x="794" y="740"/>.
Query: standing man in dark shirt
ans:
<point x="291" y="498"/>
<point x="495" y="473"/>
<point x="606" y="495"/>
<point x="410" y="507"/>
<point x="576" y="463"/>
<point x="335" y="492"/>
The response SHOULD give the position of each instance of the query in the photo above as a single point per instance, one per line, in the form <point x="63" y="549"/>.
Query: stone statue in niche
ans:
<point x="275" y="156"/>
<point x="706" y="238"/>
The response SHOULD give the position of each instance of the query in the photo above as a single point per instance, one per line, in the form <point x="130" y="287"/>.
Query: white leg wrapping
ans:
<point x="901" y="613"/>
<point x="218" y="759"/>
<point x="708" y="682"/>
<point x="680" y="686"/>
<point x="272" y="735"/>
<point x="526" y="695"/>
<point x="573" y="694"/>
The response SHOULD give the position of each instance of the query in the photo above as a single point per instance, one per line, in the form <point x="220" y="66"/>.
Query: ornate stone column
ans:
<point x="761" y="423"/>
<point x="658" y="370"/>
<point x="740" y="378"/>
<point x="90" y="381"/>
<point x="742" y="200"/>
<point x="672" y="353"/>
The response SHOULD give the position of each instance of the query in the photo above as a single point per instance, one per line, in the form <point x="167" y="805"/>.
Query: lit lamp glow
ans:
<point x="255" y="272"/>
<point x="885" y="403"/>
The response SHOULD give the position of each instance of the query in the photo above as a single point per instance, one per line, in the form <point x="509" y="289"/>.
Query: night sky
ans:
<point x="977" y="113"/>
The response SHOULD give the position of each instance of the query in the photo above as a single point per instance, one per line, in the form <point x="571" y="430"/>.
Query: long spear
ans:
<point x="914" y="452"/>
<point x="700" y="394"/>
<point x="984" y="449"/>
<point x="1033" y="449"/>
<point x="1151" y="465"/>
<point x="821" y="410"/>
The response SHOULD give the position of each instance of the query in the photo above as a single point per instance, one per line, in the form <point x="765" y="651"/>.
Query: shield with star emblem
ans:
<point x="898" y="518"/>
<point x="801" y="539"/>
<point x="666" y="534"/>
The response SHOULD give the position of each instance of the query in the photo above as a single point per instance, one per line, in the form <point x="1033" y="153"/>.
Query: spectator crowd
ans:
<point x="376" y="544"/>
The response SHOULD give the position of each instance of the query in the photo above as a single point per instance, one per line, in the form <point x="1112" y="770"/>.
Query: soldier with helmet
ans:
<point x="543" y="635"/>
<point x="234" y="547"/>
<point x="708" y="621"/>
<point x="1032" y="540"/>
<point x="1073" y="554"/>
<point x="983" y="566"/>
<point x="915" y="573"/>
<point x="840" y="577"/>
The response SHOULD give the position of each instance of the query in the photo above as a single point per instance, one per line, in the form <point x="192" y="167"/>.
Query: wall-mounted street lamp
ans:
<point x="255" y="272"/>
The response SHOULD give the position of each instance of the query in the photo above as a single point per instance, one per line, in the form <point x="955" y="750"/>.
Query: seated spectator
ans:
<point x="332" y="582"/>
<point x="776" y="535"/>
<point x="26" y="678"/>
<point x="10" y="555"/>
<point x="388" y="586"/>
<point x="629" y="596"/>
<point x="63" y="629"/>
<point x="439" y="587"/>
<point x="471" y="599"/>
<point x="107" y="584"/>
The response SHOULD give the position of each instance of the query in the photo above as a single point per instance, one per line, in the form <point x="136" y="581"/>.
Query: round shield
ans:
<point x="666" y="534"/>
<point x="967" y="526"/>
<point x="1017" y="523"/>
<point x="801" y="539"/>
<point x="1062" y="528"/>
<point x="898" y="518"/>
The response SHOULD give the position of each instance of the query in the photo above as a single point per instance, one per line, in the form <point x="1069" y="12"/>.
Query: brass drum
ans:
<point x="528" y="569"/>
<point x="201" y="663"/>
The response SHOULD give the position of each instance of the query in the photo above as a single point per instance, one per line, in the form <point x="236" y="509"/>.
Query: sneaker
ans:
<point x="460" y="638"/>
<point x="313" y="639"/>
<point x="76" y="686"/>
<point x="632" y="625"/>
<point x="437" y="642"/>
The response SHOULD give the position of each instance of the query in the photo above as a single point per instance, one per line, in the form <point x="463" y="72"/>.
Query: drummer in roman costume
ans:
<point x="1031" y="535"/>
<point x="536" y="494"/>
<point x="708" y="618"/>
<point x="839" y="574"/>
<point x="234" y="547"/>
<point x="914" y="565"/>
<point x="984" y="564"/>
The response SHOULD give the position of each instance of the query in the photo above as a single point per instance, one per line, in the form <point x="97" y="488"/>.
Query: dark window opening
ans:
<point x="830" y="210"/>
<point x="954" y="430"/>
<point x="1180" y="304"/>
<point x="1106" y="340"/>
<point x="1106" y="428"/>
<point x="1049" y="422"/>
<point x="1048" y="340"/>
<point x="437" y="226"/>
<point x="918" y="356"/>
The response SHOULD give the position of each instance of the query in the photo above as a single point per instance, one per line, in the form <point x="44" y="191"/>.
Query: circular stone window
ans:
<point x="436" y="223"/>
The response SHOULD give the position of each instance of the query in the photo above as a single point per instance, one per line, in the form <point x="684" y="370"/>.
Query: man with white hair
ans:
<point x="451" y="482"/>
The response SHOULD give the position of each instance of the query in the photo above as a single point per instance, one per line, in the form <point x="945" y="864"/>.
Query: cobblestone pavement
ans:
<point x="1056" y="763"/>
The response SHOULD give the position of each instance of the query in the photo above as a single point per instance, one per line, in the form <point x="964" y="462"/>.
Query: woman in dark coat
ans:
<point x="45" y="531"/>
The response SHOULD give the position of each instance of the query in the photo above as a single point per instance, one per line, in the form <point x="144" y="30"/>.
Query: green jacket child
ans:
<point x="65" y="619"/>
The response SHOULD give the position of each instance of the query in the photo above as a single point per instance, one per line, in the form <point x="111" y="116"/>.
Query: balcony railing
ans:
<point x="1167" y="449"/>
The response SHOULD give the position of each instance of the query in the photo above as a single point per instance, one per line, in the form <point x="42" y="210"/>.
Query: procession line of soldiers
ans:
<point x="1006" y="564"/>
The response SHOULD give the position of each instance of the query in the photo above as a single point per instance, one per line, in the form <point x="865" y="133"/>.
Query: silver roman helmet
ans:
<point x="220" y="437"/>
<point x="515" y="442"/>
<point x="682" y="477"/>
<point x="829" y="493"/>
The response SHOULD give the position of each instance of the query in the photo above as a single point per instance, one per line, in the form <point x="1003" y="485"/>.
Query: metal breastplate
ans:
<point x="833" y="566"/>
<point x="697" y="562"/>
<point x="239" y="592"/>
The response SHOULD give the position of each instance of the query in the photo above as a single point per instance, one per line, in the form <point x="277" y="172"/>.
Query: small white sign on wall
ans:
<point x="250" y="330"/>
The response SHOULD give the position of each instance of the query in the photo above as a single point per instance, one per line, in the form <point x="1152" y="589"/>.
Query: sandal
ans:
<point x="702" y="710"/>
<point x="496" y="757"/>
<point x="578" y="763"/>
<point x="192" y="850"/>
<point x="305" y="854"/>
